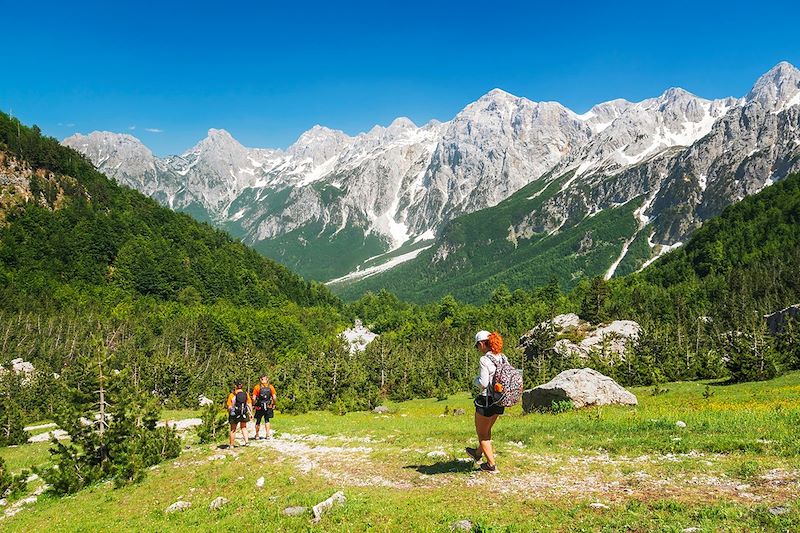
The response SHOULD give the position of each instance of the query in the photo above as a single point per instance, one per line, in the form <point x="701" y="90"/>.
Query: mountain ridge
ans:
<point x="391" y="187"/>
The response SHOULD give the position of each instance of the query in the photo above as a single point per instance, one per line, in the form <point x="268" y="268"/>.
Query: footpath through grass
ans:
<point x="735" y="466"/>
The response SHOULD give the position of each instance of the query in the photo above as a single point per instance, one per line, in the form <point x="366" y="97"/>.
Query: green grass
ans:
<point x="737" y="457"/>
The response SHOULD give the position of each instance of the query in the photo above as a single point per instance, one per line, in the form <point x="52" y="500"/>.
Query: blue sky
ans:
<point x="266" y="71"/>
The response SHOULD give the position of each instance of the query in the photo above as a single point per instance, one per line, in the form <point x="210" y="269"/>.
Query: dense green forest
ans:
<point x="90" y="270"/>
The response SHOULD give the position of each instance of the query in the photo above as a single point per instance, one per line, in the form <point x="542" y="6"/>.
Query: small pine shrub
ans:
<point x="214" y="422"/>
<point x="707" y="393"/>
<point x="10" y="484"/>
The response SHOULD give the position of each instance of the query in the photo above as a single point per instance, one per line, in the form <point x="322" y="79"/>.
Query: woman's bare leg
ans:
<point x="483" y="427"/>
<point x="243" y="427"/>
<point x="232" y="439"/>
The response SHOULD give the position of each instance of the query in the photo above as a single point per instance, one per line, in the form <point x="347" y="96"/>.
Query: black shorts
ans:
<point x="492" y="410"/>
<point x="264" y="414"/>
<point x="232" y="419"/>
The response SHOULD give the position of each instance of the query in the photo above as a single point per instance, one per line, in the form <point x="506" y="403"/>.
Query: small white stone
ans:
<point x="680" y="424"/>
<point x="180" y="505"/>
<point x="260" y="482"/>
<point x="598" y="505"/>
<point x="217" y="503"/>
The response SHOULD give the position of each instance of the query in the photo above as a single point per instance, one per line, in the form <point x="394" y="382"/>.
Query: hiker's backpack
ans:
<point x="509" y="380"/>
<point x="239" y="407"/>
<point x="264" y="399"/>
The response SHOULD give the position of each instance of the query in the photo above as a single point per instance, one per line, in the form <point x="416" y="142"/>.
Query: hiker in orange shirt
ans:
<point x="240" y="410"/>
<point x="264" y="400"/>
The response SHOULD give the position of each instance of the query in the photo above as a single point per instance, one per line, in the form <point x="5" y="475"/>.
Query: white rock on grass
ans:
<point x="217" y="503"/>
<point x="338" y="498"/>
<point x="260" y="482"/>
<point x="582" y="386"/>
<point x="437" y="454"/>
<point x="203" y="400"/>
<point x="178" y="506"/>
<point x="59" y="434"/>
<point x="381" y="409"/>
<point x="777" y="511"/>
<point x="461" y="525"/>
<point x="680" y="424"/>
<point x="296" y="510"/>
<point x="598" y="505"/>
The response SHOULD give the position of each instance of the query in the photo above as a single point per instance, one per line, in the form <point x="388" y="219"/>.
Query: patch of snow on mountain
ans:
<point x="377" y="269"/>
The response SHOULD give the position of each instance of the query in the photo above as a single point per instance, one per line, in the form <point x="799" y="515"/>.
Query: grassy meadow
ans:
<point x="735" y="466"/>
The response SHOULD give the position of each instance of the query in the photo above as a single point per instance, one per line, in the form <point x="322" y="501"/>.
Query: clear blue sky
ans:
<point x="267" y="71"/>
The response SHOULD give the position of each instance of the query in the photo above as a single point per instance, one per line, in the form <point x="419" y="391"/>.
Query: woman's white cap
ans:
<point x="482" y="335"/>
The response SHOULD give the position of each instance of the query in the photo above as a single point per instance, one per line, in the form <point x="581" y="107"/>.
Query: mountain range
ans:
<point x="508" y="191"/>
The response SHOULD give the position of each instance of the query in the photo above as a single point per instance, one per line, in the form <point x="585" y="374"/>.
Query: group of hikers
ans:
<point x="243" y="406"/>
<point x="499" y="385"/>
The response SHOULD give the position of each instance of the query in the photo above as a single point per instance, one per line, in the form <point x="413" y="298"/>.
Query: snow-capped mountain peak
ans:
<point x="778" y="89"/>
<point x="397" y="185"/>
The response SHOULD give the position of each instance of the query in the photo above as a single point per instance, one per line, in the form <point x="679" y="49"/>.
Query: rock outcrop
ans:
<point x="584" y="387"/>
<point x="777" y="320"/>
<point x="358" y="337"/>
<point x="576" y="337"/>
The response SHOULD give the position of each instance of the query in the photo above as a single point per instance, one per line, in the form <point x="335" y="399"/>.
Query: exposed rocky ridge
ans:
<point x="685" y="157"/>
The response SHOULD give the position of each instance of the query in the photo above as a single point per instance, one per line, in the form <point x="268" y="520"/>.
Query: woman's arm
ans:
<point x="483" y="379"/>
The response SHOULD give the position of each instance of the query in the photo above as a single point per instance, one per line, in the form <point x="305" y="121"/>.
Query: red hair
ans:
<point x="495" y="343"/>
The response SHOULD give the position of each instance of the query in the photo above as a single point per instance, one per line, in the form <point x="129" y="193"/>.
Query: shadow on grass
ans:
<point x="444" y="467"/>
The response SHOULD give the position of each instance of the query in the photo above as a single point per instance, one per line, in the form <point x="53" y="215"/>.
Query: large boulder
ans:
<point x="583" y="386"/>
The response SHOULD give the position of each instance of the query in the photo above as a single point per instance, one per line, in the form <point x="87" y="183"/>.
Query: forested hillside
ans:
<point x="83" y="231"/>
<point x="90" y="267"/>
<point x="699" y="306"/>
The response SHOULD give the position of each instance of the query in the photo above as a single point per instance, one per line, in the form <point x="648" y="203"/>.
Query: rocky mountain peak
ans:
<point x="319" y="144"/>
<point x="777" y="89"/>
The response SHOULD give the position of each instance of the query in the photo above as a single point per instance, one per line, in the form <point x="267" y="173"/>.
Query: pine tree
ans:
<point x="594" y="301"/>
<point x="112" y="429"/>
<point x="12" y="421"/>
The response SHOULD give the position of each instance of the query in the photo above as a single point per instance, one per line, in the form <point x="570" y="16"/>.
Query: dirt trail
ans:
<point x="346" y="461"/>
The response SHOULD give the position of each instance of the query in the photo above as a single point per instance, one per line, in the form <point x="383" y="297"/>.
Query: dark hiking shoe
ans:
<point x="486" y="467"/>
<point x="474" y="453"/>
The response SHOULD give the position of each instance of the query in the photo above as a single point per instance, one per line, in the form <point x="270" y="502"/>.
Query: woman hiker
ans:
<point x="490" y="346"/>
<point x="240" y="410"/>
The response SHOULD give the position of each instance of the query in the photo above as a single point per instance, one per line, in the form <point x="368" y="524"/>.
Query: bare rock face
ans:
<point x="777" y="320"/>
<point x="584" y="387"/>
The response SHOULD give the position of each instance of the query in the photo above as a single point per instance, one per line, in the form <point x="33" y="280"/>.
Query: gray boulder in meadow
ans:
<point x="381" y="409"/>
<point x="295" y="511"/>
<point x="178" y="506"/>
<point x="217" y="503"/>
<point x="583" y="386"/>
<point x="338" y="498"/>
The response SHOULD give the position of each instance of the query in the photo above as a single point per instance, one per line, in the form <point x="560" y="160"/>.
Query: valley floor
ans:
<point x="734" y="466"/>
